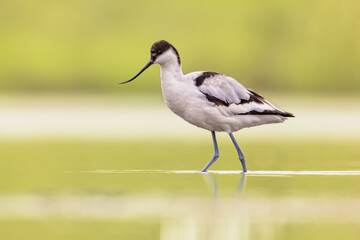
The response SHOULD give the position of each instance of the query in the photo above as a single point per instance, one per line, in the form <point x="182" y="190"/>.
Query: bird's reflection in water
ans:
<point x="221" y="225"/>
<point x="210" y="179"/>
<point x="211" y="219"/>
<point x="242" y="184"/>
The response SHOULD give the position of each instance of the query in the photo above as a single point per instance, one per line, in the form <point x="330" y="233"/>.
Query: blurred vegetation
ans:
<point x="88" y="46"/>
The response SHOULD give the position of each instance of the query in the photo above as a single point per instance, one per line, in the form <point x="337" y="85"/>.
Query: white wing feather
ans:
<point x="236" y="96"/>
<point x="225" y="88"/>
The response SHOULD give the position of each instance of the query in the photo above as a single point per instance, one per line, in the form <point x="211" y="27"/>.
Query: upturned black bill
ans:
<point x="144" y="68"/>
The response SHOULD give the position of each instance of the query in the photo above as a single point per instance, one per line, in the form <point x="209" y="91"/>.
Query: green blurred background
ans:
<point x="88" y="46"/>
<point x="67" y="131"/>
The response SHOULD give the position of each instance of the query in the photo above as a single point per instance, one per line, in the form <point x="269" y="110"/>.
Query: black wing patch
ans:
<point x="260" y="99"/>
<point x="217" y="101"/>
<point x="267" y="112"/>
<point x="254" y="97"/>
<point x="200" y="79"/>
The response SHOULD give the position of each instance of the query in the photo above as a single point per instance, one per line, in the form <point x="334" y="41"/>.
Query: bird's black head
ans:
<point x="160" y="47"/>
<point x="162" y="52"/>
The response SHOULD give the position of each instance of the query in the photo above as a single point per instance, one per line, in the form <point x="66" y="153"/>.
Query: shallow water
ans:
<point x="98" y="190"/>
<point x="217" y="205"/>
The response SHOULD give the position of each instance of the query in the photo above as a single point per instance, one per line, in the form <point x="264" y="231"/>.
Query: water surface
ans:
<point x="154" y="190"/>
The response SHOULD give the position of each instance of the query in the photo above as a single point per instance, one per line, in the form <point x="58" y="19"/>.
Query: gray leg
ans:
<point x="216" y="154"/>
<point x="240" y="153"/>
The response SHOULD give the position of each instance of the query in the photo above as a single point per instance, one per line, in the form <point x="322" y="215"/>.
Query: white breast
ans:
<point x="179" y="93"/>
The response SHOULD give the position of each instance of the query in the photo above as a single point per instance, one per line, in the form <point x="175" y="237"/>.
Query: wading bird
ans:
<point x="210" y="100"/>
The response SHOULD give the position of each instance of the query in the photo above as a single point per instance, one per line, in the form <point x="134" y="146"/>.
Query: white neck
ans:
<point x="170" y="70"/>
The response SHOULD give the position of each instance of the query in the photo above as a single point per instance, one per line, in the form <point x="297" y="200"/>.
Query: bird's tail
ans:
<point x="287" y="114"/>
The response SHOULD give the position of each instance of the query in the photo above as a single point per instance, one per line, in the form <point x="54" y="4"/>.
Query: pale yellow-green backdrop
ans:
<point x="87" y="46"/>
<point x="84" y="158"/>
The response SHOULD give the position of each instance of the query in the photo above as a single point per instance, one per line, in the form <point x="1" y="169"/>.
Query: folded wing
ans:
<point x="233" y="98"/>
